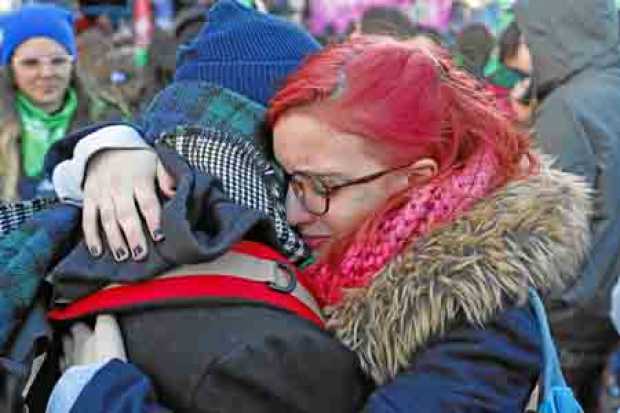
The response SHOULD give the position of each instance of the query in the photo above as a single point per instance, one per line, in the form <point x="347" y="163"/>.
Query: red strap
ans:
<point x="258" y="250"/>
<point x="182" y="287"/>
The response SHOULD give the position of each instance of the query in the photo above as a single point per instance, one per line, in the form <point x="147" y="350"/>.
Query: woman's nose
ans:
<point x="296" y="213"/>
<point x="47" y="70"/>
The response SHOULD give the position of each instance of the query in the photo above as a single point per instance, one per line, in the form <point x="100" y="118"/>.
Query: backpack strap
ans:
<point x="552" y="372"/>
<point x="247" y="271"/>
<point x="279" y="275"/>
<point x="551" y="394"/>
<point x="532" y="403"/>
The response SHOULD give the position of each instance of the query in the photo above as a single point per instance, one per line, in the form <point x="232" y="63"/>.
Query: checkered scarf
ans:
<point x="247" y="177"/>
<point x="13" y="214"/>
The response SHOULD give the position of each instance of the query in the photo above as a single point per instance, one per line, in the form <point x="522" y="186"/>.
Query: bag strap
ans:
<point x="552" y="373"/>
<point x="280" y="276"/>
<point x="534" y="401"/>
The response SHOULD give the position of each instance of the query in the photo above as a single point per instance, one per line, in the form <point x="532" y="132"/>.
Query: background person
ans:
<point x="575" y="57"/>
<point x="42" y="98"/>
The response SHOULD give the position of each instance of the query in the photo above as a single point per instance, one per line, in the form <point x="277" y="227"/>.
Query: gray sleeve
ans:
<point x="585" y="144"/>
<point x="561" y="134"/>
<point x="69" y="175"/>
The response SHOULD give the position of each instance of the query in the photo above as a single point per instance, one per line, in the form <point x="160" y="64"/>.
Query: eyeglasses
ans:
<point x="314" y="194"/>
<point x="58" y="62"/>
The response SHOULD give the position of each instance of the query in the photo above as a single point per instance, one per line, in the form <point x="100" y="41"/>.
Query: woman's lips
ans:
<point x="315" y="242"/>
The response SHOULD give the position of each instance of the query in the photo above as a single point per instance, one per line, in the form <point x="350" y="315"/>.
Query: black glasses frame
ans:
<point x="325" y="191"/>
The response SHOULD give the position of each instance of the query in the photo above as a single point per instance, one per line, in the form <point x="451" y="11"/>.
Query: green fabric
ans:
<point x="40" y="130"/>
<point x="491" y="66"/>
<point x="141" y="57"/>
<point x="247" y="3"/>
<point x="202" y="104"/>
<point x="506" y="15"/>
<point x="505" y="77"/>
<point x="307" y="262"/>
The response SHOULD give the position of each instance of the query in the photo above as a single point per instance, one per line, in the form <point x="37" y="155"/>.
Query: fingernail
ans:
<point x="158" y="235"/>
<point x="94" y="251"/>
<point x="137" y="252"/>
<point x="121" y="254"/>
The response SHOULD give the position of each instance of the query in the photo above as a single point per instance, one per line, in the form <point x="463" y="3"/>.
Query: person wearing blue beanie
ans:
<point x="244" y="50"/>
<point x="37" y="20"/>
<point x="42" y="95"/>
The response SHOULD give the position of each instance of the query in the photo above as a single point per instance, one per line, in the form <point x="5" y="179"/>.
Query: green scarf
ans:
<point x="40" y="130"/>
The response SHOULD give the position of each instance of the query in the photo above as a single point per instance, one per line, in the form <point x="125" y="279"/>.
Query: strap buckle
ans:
<point x="291" y="279"/>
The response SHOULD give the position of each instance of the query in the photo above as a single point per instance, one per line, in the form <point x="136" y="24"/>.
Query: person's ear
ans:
<point x="422" y="171"/>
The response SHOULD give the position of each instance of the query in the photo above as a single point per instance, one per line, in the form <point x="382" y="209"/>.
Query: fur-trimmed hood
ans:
<point x="531" y="233"/>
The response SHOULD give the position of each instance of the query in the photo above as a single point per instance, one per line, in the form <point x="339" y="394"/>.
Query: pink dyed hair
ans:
<point x="409" y="99"/>
<point x="410" y="102"/>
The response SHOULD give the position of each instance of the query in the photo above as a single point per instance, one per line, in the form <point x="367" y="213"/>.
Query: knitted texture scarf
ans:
<point x="40" y="130"/>
<point x="437" y="203"/>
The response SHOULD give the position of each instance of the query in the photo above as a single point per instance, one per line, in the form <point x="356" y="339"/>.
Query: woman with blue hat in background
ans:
<point x="42" y="96"/>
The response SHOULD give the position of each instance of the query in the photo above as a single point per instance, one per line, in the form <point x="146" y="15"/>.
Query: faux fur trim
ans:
<point x="532" y="233"/>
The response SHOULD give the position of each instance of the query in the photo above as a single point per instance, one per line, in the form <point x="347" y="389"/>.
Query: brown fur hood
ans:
<point x="532" y="232"/>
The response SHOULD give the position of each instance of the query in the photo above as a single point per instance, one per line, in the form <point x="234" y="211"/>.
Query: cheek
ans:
<point x="347" y="213"/>
<point x="66" y="77"/>
<point x="23" y="81"/>
<point x="525" y="59"/>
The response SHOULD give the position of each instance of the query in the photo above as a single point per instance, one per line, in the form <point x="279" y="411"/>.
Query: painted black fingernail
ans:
<point x="158" y="235"/>
<point x="94" y="251"/>
<point x="137" y="251"/>
<point x="121" y="254"/>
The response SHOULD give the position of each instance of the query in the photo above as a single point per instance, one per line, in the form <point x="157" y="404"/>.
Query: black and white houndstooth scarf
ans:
<point x="13" y="214"/>
<point x="248" y="178"/>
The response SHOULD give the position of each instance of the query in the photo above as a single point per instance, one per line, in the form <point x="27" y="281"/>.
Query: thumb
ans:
<point x="166" y="182"/>
<point x="109" y="339"/>
<point x="82" y="345"/>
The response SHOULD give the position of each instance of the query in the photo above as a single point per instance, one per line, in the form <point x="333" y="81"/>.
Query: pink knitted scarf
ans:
<point x="439" y="202"/>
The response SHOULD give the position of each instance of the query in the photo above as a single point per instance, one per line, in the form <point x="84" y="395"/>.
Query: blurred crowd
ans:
<point x="124" y="52"/>
<point x="106" y="61"/>
<point x="127" y="49"/>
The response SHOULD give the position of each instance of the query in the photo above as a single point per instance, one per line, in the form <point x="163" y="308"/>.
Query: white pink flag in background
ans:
<point x="338" y="14"/>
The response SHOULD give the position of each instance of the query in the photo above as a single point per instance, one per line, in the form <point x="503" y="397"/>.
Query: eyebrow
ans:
<point x="333" y="175"/>
<point x="43" y="55"/>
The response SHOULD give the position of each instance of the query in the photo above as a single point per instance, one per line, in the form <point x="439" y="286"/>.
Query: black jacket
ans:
<point x="237" y="353"/>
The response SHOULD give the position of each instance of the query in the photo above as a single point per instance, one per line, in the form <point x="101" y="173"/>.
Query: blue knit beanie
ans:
<point x="36" y="20"/>
<point x="244" y="50"/>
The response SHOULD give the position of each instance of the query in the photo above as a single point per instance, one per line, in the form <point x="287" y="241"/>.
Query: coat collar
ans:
<point x="531" y="233"/>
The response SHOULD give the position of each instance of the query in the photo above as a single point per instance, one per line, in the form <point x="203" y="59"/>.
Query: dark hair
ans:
<point x="475" y="44"/>
<point x="430" y="33"/>
<point x="509" y="42"/>
<point x="391" y="21"/>
<point x="189" y="22"/>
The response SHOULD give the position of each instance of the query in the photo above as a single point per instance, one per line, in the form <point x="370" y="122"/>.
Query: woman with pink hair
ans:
<point x="430" y="217"/>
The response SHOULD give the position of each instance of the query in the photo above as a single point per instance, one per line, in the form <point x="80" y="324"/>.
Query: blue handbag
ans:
<point x="554" y="395"/>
